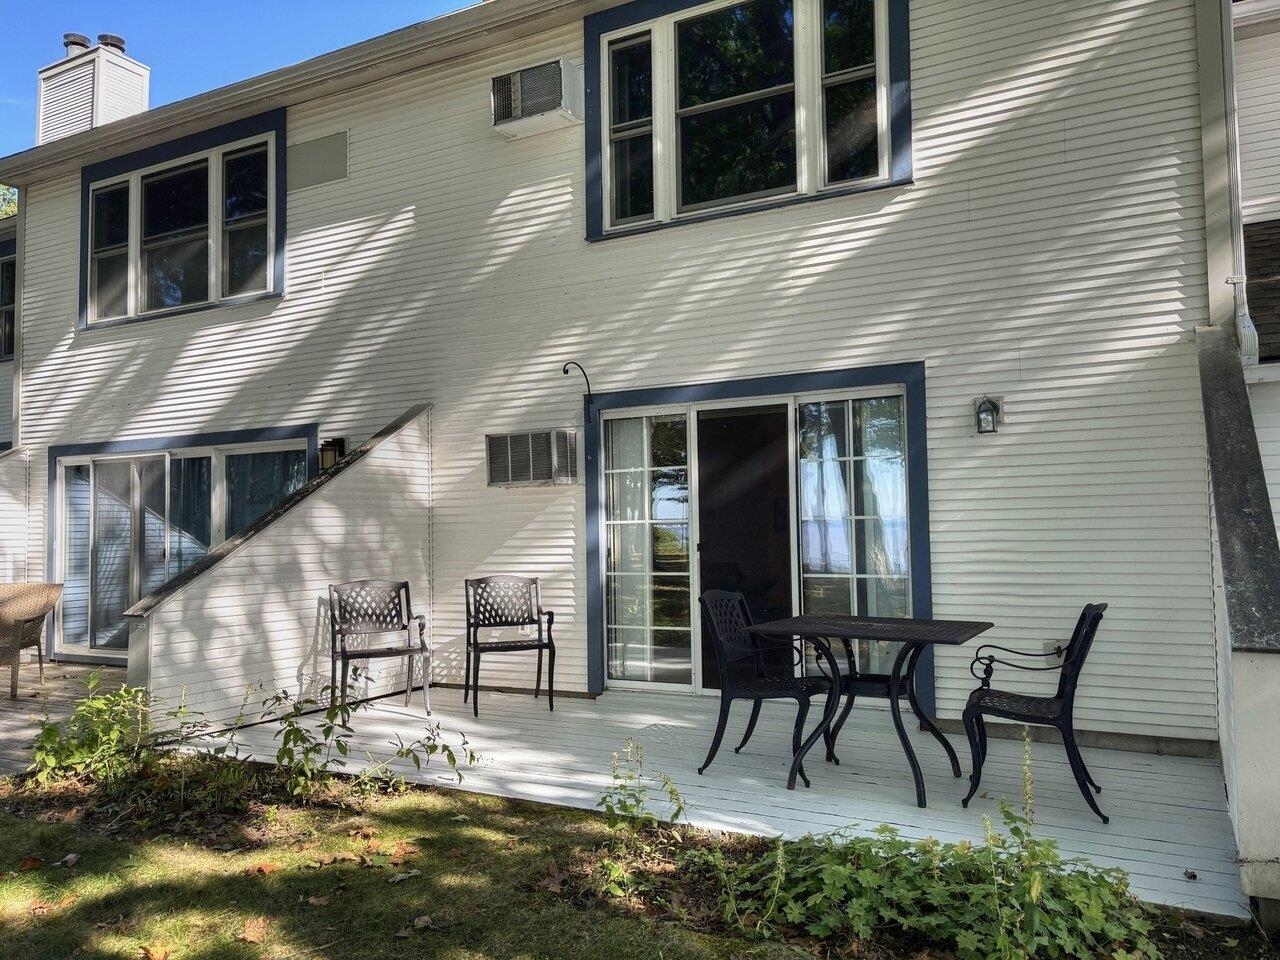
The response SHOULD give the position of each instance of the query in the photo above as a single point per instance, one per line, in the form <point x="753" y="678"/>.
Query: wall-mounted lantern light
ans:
<point x="988" y="415"/>
<point x="331" y="451"/>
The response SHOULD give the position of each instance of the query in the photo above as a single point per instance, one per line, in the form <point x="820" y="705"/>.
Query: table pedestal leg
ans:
<point x="908" y="656"/>
<point x="828" y="711"/>
<point x="924" y="720"/>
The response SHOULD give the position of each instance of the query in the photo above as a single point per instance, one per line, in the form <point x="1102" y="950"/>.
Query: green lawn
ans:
<point x="476" y="868"/>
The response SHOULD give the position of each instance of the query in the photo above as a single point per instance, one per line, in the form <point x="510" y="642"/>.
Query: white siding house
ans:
<point x="1046" y="246"/>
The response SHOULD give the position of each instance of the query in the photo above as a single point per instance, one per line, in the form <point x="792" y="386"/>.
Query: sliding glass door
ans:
<point x="129" y="524"/>
<point x="818" y="483"/>
<point x="647" y="578"/>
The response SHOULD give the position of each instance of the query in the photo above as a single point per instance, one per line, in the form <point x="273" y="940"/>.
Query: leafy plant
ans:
<point x="145" y="765"/>
<point x="1011" y="897"/>
<point x="639" y="832"/>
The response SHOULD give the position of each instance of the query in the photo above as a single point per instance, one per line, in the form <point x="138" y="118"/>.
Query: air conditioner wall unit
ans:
<point x="544" y="97"/>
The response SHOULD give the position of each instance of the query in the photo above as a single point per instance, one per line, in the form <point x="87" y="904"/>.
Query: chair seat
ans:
<point x="772" y="686"/>
<point x="360" y="653"/>
<point x="1014" y="706"/>
<point x="530" y="644"/>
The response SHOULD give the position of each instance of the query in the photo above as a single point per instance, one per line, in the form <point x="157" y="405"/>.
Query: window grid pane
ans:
<point x="631" y="128"/>
<point x="853" y="524"/>
<point x="648" y="602"/>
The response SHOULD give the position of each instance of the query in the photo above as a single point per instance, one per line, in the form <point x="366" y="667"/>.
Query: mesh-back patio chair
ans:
<point x="497" y="602"/>
<point x="364" y="610"/>
<point x="23" y="609"/>
<point x="747" y="673"/>
<point x="1055" y="711"/>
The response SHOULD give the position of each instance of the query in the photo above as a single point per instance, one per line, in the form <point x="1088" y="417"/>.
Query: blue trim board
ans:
<point x="8" y="248"/>
<point x="273" y="121"/>
<point x="223" y="438"/>
<point x="595" y="26"/>
<point x="910" y="376"/>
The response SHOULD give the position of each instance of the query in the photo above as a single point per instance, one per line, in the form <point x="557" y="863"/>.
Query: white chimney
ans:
<point x="89" y="87"/>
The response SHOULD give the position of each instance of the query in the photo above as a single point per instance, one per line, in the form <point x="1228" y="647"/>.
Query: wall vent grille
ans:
<point x="536" y="457"/>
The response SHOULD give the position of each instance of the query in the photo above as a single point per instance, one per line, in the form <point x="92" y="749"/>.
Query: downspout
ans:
<point x="1246" y="332"/>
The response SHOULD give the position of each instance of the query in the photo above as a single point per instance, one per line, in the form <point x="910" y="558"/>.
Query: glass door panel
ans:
<point x="648" y="599"/>
<point x="77" y="509"/>
<point x="190" y="511"/>
<point x="112" y="554"/>
<point x="853" y="514"/>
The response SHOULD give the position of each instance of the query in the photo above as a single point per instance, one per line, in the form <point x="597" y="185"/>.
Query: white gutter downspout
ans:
<point x="1245" y="330"/>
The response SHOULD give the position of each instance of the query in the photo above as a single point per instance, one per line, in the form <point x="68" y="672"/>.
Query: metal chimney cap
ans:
<point x="75" y="43"/>
<point x="111" y="41"/>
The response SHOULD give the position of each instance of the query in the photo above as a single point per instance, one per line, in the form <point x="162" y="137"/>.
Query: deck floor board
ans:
<point x="1168" y="814"/>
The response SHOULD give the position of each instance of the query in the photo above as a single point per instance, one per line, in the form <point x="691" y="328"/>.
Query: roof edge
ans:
<point x="418" y="45"/>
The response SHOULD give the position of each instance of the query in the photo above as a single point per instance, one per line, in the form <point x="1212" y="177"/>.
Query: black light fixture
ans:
<point x="331" y="451"/>
<point x="987" y="415"/>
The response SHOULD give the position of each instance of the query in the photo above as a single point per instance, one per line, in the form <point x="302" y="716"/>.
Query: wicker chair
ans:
<point x="745" y="673"/>
<point x="1055" y="711"/>
<point x="496" y="602"/>
<point x="370" y="608"/>
<point x="23" y="609"/>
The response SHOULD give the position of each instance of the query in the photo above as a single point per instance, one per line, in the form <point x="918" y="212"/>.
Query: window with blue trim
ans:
<point x="738" y="103"/>
<point x="190" y="224"/>
<point x="8" y="305"/>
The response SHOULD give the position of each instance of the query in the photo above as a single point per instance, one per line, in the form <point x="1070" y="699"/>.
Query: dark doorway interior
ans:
<point x="744" y="512"/>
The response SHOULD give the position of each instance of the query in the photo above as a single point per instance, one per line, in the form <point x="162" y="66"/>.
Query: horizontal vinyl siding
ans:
<point x="13" y="517"/>
<point x="1050" y="252"/>
<point x="1258" y="102"/>
<point x="66" y="102"/>
<point x="262" y="615"/>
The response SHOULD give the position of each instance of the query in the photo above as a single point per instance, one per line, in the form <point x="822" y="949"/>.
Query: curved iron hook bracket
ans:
<point x="590" y="399"/>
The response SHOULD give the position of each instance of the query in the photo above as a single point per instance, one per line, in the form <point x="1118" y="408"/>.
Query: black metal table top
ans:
<point x="838" y="627"/>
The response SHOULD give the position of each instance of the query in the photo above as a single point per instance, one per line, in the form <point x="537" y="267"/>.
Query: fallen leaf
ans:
<point x="454" y="854"/>
<point x="155" y="953"/>
<point x="30" y="863"/>
<point x="1190" y="874"/>
<point x="70" y="860"/>
<point x="103" y="924"/>
<point x="404" y="932"/>
<point x="318" y="901"/>
<point x="375" y="846"/>
<point x="1231" y="942"/>
<point x="460" y="818"/>
<point x="40" y="908"/>
<point x="261" y="869"/>
<point x="255" y="930"/>
<point x="363" y="833"/>
<point x="423" y="922"/>
<point x="402" y="877"/>
<point x="553" y="882"/>
<point x="402" y="852"/>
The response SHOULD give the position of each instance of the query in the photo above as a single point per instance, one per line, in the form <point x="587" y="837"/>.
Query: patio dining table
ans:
<point x="914" y="636"/>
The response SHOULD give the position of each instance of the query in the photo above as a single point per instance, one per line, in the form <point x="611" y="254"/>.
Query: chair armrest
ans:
<point x="989" y="660"/>
<point x="421" y="620"/>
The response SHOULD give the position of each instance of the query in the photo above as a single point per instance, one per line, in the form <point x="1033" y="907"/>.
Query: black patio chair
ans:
<point x="375" y="608"/>
<point x="497" y="602"/>
<point x="746" y="674"/>
<point x="1055" y="711"/>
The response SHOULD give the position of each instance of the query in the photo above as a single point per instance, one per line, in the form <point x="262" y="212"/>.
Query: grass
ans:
<point x="481" y="870"/>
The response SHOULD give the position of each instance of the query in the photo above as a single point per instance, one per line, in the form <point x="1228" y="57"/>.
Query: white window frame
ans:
<point x="217" y="516"/>
<point x="137" y="280"/>
<point x="811" y="175"/>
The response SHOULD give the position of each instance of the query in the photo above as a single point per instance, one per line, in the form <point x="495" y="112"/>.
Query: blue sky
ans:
<point x="191" y="46"/>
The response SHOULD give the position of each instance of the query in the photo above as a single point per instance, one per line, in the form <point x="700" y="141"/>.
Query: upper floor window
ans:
<point x="8" y="301"/>
<point x="194" y="231"/>
<point x="725" y="105"/>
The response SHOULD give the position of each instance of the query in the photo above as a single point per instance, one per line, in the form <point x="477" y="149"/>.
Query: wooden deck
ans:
<point x="1168" y="814"/>
<point x="20" y="719"/>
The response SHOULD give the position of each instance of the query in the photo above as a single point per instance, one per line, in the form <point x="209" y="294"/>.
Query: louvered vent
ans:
<point x="536" y="99"/>
<point x="537" y="457"/>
